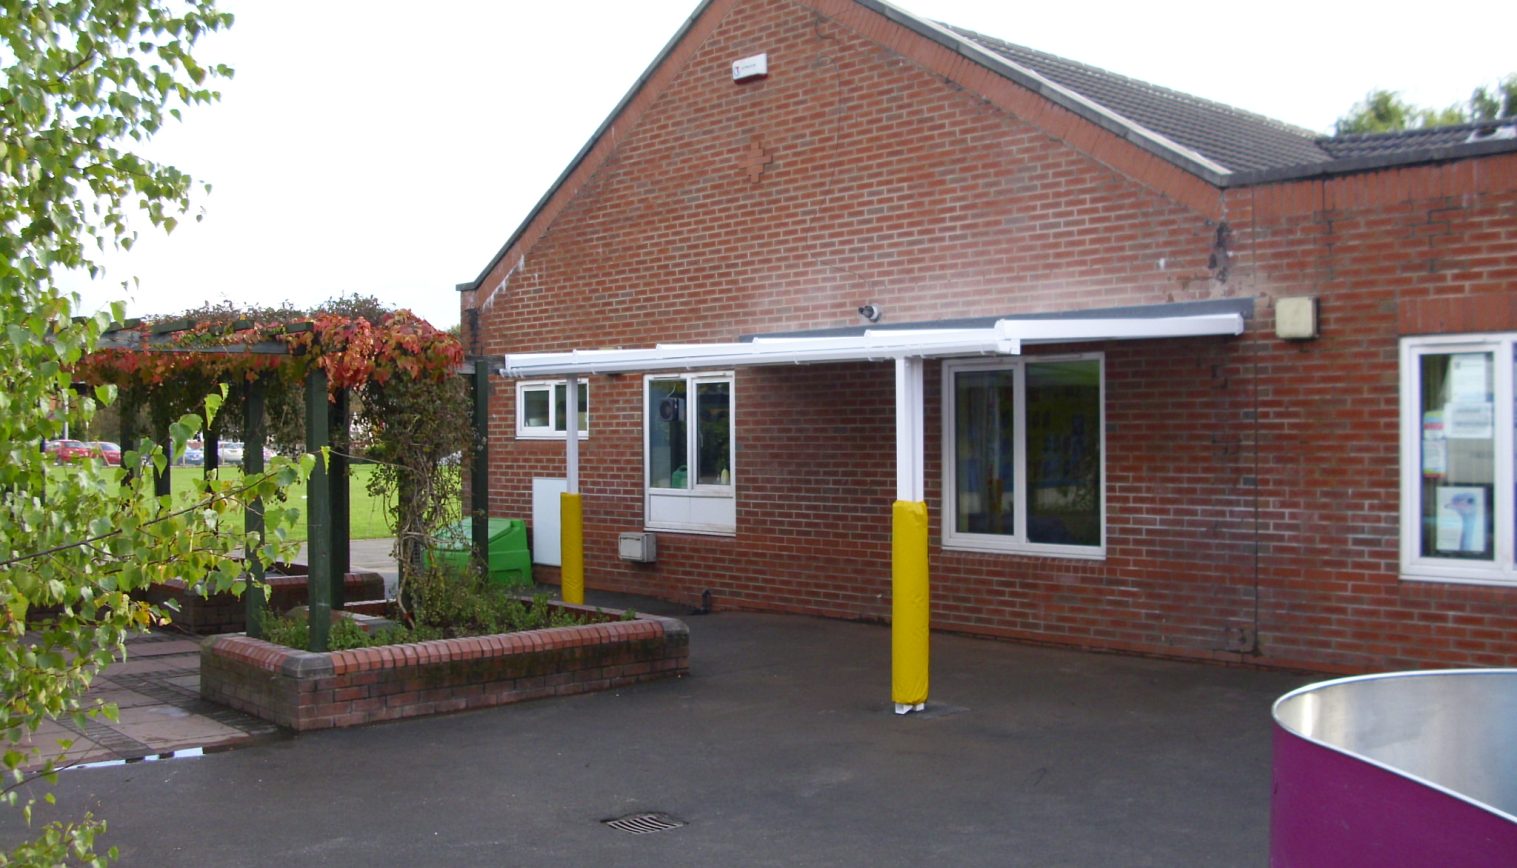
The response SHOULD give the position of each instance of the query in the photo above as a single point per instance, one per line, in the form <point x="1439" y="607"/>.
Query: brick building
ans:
<point x="1331" y="488"/>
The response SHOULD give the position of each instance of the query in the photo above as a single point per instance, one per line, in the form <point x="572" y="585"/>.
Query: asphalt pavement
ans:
<point x="780" y="748"/>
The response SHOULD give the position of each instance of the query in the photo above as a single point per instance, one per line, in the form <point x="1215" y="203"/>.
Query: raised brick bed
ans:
<point x="224" y="613"/>
<point x="302" y="690"/>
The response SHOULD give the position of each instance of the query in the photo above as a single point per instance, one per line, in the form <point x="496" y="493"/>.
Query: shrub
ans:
<point x="465" y="604"/>
<point x="445" y="605"/>
<point x="293" y="632"/>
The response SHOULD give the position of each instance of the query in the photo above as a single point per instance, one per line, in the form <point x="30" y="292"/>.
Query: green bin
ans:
<point x="510" y="560"/>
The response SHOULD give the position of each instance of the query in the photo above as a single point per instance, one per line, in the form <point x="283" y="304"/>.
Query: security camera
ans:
<point x="871" y="312"/>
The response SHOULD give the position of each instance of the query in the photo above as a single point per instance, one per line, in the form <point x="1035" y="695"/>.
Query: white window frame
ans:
<point x="1016" y="543"/>
<point x="704" y="509"/>
<point x="551" y="432"/>
<point x="1415" y="566"/>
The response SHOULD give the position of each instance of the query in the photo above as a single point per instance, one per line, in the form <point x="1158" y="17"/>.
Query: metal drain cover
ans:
<point x="643" y="824"/>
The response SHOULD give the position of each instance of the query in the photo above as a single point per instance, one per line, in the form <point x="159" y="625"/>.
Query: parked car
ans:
<point x="194" y="456"/>
<point x="105" y="450"/>
<point x="230" y="451"/>
<point x="69" y="450"/>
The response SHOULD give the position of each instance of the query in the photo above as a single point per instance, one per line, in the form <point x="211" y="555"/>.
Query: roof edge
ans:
<point x="1161" y="146"/>
<point x="1108" y="120"/>
<point x="1354" y="165"/>
<point x="589" y="145"/>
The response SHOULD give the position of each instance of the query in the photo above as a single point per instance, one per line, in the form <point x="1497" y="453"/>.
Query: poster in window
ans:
<point x="1435" y="458"/>
<point x="1467" y="378"/>
<point x="1435" y="453"/>
<point x="1461" y="518"/>
<point x="1472" y="421"/>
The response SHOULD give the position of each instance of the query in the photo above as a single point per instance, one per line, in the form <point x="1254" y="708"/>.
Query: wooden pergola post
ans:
<point x="255" y="433"/>
<point x="338" y="417"/>
<point x="162" y="479"/>
<point x="318" y="512"/>
<point x="479" y="469"/>
<point x="128" y="411"/>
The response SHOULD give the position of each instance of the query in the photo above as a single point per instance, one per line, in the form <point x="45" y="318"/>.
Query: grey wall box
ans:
<point x="641" y="547"/>
<point x="1296" y="318"/>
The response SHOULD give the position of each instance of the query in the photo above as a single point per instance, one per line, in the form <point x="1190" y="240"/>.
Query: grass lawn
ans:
<point x="368" y="517"/>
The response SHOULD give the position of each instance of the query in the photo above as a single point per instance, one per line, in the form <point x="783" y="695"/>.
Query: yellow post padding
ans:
<point x="909" y="590"/>
<point x="571" y="523"/>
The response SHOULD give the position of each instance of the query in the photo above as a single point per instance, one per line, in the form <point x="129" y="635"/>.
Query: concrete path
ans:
<point x="371" y="555"/>
<point x="779" y="749"/>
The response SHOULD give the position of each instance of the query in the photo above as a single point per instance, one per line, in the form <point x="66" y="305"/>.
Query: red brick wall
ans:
<point x="1424" y="250"/>
<point x="1252" y="483"/>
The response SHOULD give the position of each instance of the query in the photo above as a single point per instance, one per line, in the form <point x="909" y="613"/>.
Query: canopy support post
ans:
<point x="910" y="600"/>
<point x="571" y="509"/>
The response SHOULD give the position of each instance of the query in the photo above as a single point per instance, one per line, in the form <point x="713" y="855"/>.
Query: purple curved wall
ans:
<point x="1373" y="771"/>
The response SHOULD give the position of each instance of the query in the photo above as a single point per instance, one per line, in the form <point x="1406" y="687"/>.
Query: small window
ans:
<point x="1024" y="456"/>
<point x="689" y="453"/>
<point x="1457" y="446"/>
<point x="541" y="410"/>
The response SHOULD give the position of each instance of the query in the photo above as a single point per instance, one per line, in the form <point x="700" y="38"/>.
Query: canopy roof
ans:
<point x="1002" y="337"/>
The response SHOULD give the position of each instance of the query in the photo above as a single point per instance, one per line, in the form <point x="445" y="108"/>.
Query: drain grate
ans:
<point x="643" y="824"/>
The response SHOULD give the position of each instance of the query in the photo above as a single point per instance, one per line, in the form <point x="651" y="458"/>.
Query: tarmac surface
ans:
<point x="780" y="748"/>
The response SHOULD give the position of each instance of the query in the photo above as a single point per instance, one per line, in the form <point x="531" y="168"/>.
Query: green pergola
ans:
<point x="327" y="506"/>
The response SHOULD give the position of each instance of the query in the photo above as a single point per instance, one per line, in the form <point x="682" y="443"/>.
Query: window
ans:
<point x="689" y="453"/>
<point x="1456" y="459"/>
<point x="1024" y="456"/>
<point x="538" y="416"/>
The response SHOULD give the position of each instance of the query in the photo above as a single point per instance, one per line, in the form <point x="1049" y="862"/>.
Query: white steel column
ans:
<point x="571" y="431"/>
<point x="908" y="429"/>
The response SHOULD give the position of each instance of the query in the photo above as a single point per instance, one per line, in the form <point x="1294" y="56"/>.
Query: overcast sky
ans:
<point x="390" y="148"/>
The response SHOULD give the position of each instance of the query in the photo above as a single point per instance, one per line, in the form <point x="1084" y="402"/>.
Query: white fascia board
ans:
<point x="800" y="351"/>
<point x="1005" y="338"/>
<point x="1060" y="331"/>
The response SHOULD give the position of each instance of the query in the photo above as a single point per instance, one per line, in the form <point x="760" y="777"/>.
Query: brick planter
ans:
<point x="302" y="690"/>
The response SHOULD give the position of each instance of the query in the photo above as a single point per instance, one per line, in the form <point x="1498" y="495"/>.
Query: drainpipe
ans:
<point x="571" y="512"/>
<point x="908" y="547"/>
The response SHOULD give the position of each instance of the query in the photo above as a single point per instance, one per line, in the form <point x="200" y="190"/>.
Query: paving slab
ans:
<point x="156" y="690"/>
<point x="780" y="748"/>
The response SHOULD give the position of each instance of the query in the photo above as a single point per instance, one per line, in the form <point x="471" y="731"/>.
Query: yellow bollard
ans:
<point x="909" y="606"/>
<point x="572" y="529"/>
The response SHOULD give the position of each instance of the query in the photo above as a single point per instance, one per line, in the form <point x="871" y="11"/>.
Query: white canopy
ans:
<point x="1005" y="337"/>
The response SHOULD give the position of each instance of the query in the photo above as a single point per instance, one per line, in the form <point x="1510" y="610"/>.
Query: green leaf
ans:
<point x="213" y="402"/>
